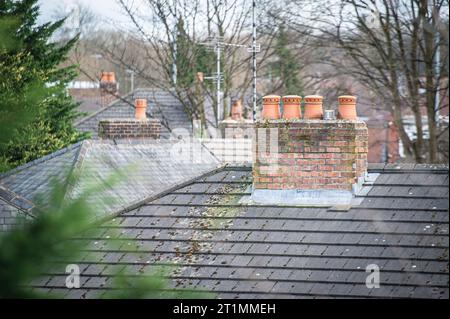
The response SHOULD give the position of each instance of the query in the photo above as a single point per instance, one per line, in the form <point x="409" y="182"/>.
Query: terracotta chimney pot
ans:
<point x="313" y="107"/>
<point x="141" y="107"/>
<point x="271" y="107"/>
<point x="112" y="77"/>
<point x="104" y="77"/>
<point x="347" y="107"/>
<point x="108" y="77"/>
<point x="291" y="106"/>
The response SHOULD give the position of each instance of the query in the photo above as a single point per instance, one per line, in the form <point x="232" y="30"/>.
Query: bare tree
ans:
<point x="80" y="19"/>
<point x="390" y="47"/>
<point x="164" y="48"/>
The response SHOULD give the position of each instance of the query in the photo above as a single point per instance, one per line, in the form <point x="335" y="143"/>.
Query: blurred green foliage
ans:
<point x="153" y="285"/>
<point x="28" y="251"/>
<point x="36" y="117"/>
<point x="42" y="244"/>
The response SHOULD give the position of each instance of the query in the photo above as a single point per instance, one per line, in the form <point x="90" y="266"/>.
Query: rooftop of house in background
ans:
<point x="88" y="94"/>
<point x="149" y="168"/>
<point x="162" y="104"/>
<point x="194" y="216"/>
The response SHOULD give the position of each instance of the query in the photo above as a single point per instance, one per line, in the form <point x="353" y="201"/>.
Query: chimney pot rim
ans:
<point x="313" y="97"/>
<point x="349" y="97"/>
<point x="271" y="96"/>
<point x="292" y="96"/>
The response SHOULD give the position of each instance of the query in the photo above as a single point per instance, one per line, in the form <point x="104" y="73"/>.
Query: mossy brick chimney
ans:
<point x="311" y="161"/>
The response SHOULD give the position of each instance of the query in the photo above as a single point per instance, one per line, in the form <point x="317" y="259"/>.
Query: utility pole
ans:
<point x="174" y="55"/>
<point x="219" y="78"/>
<point x="255" y="48"/>
<point x="385" y="150"/>
<point x="97" y="57"/>
<point x="254" y="56"/>
<point x="218" y="45"/>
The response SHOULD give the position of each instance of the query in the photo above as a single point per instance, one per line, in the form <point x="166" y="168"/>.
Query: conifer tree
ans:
<point x="30" y="61"/>
<point x="287" y="67"/>
<point x="191" y="58"/>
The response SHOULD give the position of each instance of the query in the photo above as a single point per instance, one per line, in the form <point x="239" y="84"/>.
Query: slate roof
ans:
<point x="162" y="104"/>
<point x="23" y="184"/>
<point x="251" y="251"/>
<point x="147" y="169"/>
<point x="9" y="215"/>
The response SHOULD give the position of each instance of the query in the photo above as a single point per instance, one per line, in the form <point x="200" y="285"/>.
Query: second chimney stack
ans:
<point x="108" y="88"/>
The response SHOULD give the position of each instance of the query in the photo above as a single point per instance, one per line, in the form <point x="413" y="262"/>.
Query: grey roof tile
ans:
<point x="291" y="251"/>
<point x="148" y="169"/>
<point x="33" y="181"/>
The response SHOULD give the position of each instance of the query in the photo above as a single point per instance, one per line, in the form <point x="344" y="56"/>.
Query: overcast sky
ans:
<point x="104" y="8"/>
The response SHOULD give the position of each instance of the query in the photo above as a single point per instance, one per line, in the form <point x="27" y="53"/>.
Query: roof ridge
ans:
<point x="405" y="168"/>
<point x="154" y="88"/>
<point x="42" y="159"/>
<point x="120" y="99"/>
<point x="22" y="204"/>
<point x="388" y="167"/>
<point x="77" y="166"/>
<point x="138" y="203"/>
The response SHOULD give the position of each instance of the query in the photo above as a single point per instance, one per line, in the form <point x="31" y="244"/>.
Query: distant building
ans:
<point x="88" y="94"/>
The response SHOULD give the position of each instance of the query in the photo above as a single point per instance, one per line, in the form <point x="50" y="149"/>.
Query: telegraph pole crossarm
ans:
<point x="218" y="44"/>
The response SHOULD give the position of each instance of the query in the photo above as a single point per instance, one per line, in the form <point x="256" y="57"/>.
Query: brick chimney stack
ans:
<point x="108" y="88"/>
<point x="312" y="161"/>
<point x="139" y="127"/>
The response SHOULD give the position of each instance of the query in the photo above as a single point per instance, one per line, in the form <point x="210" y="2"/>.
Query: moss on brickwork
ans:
<point x="314" y="154"/>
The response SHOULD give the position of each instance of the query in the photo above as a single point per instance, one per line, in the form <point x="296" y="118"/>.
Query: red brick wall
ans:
<point x="381" y="138"/>
<point x="108" y="92"/>
<point x="312" y="154"/>
<point x="129" y="129"/>
<point x="107" y="99"/>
